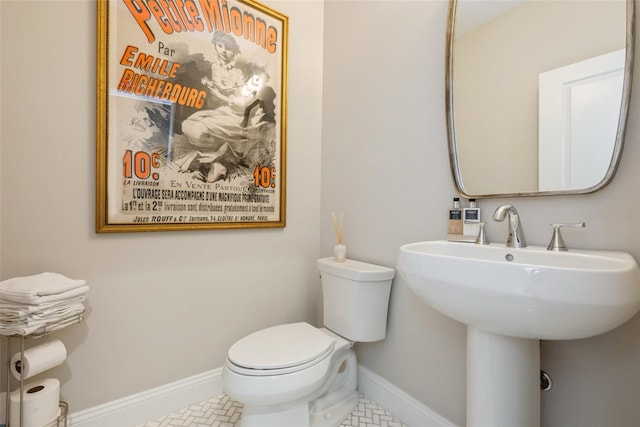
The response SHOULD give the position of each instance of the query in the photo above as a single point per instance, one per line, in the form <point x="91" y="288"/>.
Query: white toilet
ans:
<point x="296" y="375"/>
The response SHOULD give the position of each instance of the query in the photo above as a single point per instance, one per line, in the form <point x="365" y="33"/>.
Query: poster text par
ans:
<point x="177" y="16"/>
<point x="197" y="112"/>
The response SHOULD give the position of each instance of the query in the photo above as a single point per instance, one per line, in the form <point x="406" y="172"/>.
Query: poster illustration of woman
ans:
<point x="195" y="117"/>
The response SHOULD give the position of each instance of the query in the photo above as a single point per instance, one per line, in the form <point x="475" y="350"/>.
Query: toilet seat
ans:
<point x="280" y="350"/>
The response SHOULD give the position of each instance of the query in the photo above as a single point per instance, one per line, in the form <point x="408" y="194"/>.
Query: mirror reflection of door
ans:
<point x="578" y="121"/>
<point x="495" y="68"/>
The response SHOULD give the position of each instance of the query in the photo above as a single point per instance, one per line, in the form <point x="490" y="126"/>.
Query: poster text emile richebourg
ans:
<point x="152" y="75"/>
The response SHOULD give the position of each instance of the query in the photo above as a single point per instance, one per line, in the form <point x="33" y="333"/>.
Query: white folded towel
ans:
<point x="39" y="288"/>
<point x="56" y="321"/>
<point x="42" y="300"/>
<point x="15" y="313"/>
<point x="17" y="307"/>
<point x="39" y="303"/>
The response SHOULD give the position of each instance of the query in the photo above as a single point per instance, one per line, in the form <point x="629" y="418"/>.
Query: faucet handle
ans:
<point x="482" y="236"/>
<point x="557" y="243"/>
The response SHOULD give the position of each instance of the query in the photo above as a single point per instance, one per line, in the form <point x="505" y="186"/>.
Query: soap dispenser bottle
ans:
<point x="471" y="219"/>
<point x="455" y="218"/>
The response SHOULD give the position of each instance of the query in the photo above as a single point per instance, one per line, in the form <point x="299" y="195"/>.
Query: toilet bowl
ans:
<point x="278" y="393"/>
<point x="298" y="375"/>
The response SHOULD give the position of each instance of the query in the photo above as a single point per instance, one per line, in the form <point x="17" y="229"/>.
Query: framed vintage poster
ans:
<point x="191" y="115"/>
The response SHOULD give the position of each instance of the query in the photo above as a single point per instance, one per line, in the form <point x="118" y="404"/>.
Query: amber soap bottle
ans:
<point x="455" y="218"/>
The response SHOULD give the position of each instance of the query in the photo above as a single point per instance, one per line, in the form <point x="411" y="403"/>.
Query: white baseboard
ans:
<point x="403" y="406"/>
<point x="151" y="404"/>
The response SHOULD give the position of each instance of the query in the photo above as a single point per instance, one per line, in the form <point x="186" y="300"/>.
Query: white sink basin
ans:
<point x="525" y="293"/>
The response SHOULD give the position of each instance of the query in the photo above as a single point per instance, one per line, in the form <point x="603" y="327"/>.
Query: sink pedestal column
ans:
<point x="503" y="380"/>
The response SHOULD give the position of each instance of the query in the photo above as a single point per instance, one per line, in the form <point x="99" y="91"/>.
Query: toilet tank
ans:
<point x="356" y="298"/>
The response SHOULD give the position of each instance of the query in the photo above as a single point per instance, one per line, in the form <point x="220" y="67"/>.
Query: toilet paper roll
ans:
<point x="40" y="403"/>
<point x="38" y="359"/>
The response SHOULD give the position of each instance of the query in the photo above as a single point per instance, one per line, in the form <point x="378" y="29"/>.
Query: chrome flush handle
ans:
<point x="557" y="242"/>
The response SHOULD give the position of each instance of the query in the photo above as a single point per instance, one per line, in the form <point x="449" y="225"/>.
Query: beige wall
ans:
<point x="163" y="306"/>
<point x="385" y="165"/>
<point x="167" y="305"/>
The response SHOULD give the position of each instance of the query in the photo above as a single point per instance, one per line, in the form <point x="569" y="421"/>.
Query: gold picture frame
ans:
<point x="190" y="116"/>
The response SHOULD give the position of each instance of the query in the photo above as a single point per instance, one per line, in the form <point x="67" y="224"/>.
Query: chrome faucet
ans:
<point x="516" y="235"/>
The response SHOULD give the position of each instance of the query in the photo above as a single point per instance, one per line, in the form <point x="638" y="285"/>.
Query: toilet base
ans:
<point x="334" y="416"/>
<point x="327" y="407"/>
<point x="338" y="399"/>
<point x="299" y="416"/>
<point x="256" y="416"/>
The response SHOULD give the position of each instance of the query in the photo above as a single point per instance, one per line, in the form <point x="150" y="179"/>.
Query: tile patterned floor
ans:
<point x="220" y="411"/>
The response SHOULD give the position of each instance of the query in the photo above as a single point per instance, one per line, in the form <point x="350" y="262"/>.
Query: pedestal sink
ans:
<point x="512" y="298"/>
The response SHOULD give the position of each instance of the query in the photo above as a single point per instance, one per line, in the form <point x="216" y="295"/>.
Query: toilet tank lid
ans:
<point x="355" y="270"/>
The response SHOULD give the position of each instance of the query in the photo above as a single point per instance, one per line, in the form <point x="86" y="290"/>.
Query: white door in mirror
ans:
<point x="579" y="109"/>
